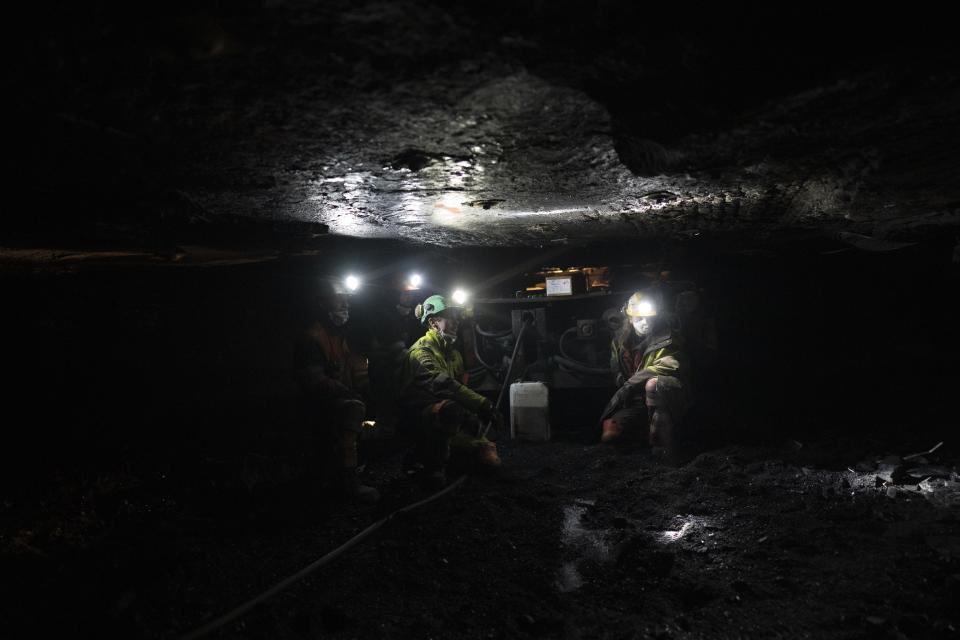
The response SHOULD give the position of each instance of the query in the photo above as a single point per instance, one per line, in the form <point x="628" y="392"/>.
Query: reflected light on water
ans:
<point x="688" y="524"/>
<point x="447" y="210"/>
<point x="673" y="536"/>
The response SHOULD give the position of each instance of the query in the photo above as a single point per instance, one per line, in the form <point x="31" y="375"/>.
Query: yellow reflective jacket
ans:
<point x="434" y="371"/>
<point x="638" y="361"/>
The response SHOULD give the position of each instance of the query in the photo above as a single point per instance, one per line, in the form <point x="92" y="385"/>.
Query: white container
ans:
<point x="529" y="411"/>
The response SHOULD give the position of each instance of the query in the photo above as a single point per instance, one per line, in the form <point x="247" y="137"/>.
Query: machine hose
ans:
<point x="476" y="352"/>
<point x="213" y="625"/>
<point x="492" y="334"/>
<point x="577" y="365"/>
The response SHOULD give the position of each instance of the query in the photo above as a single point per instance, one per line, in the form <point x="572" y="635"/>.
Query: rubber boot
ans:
<point x="661" y="433"/>
<point x="350" y="485"/>
<point x="487" y="455"/>
<point x="612" y="431"/>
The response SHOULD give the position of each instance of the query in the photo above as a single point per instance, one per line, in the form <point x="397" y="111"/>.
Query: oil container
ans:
<point x="529" y="411"/>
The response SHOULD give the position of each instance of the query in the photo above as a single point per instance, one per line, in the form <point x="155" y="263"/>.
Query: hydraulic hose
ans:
<point x="563" y="335"/>
<point x="577" y="365"/>
<point x="213" y="625"/>
<point x="513" y="359"/>
<point x="492" y="334"/>
<point x="476" y="352"/>
<point x="506" y="379"/>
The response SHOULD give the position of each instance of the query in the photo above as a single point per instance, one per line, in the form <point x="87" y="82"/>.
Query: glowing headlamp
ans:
<point x="459" y="296"/>
<point x="414" y="281"/>
<point x="352" y="283"/>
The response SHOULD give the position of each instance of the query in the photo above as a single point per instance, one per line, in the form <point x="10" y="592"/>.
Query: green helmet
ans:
<point x="432" y="306"/>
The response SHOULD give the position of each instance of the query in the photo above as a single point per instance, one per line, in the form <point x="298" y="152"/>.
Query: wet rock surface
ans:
<point x="488" y="124"/>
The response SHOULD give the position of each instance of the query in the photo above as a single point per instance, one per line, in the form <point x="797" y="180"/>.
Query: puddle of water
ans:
<point x="673" y="536"/>
<point x="685" y="526"/>
<point x="580" y="543"/>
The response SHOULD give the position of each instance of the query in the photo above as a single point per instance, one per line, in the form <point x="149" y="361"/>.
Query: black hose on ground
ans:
<point x="213" y="625"/>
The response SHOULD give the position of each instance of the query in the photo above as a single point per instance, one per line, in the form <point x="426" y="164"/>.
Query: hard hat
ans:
<point x="640" y="305"/>
<point x="432" y="306"/>
<point x="329" y="291"/>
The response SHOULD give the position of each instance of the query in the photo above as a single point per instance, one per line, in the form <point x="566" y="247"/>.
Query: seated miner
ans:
<point x="447" y="413"/>
<point x="649" y="368"/>
<point x="333" y="379"/>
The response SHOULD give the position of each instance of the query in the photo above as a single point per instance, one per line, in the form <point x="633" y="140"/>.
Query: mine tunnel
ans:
<point x="206" y="198"/>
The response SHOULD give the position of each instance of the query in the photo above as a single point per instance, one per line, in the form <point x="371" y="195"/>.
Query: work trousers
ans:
<point x="444" y="426"/>
<point x="669" y="394"/>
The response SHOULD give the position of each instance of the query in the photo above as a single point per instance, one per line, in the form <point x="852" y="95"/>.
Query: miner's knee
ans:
<point x="444" y="417"/>
<point x="650" y="392"/>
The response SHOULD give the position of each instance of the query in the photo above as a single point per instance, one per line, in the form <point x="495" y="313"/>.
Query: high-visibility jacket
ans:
<point x="325" y="365"/>
<point x="434" y="371"/>
<point x="639" y="360"/>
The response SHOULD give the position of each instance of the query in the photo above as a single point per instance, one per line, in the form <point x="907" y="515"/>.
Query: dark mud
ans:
<point x="571" y="540"/>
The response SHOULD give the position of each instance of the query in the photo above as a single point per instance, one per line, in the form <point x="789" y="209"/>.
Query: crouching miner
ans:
<point x="648" y="364"/>
<point x="333" y="380"/>
<point x="448" y="414"/>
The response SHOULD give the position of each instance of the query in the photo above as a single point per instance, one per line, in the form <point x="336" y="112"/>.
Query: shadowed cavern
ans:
<point x="185" y="175"/>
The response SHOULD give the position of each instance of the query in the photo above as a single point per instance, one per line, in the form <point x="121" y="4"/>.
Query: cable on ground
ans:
<point x="213" y="625"/>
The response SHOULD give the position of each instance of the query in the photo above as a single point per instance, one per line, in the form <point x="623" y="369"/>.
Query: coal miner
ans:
<point x="448" y="414"/>
<point x="334" y="380"/>
<point x="650" y="370"/>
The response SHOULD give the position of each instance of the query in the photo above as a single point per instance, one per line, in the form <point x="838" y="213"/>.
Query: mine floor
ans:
<point x="833" y="539"/>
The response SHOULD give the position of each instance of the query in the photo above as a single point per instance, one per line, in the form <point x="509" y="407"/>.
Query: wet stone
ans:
<point x="889" y="473"/>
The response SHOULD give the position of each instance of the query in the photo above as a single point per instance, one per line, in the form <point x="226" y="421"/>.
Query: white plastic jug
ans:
<point x="529" y="411"/>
